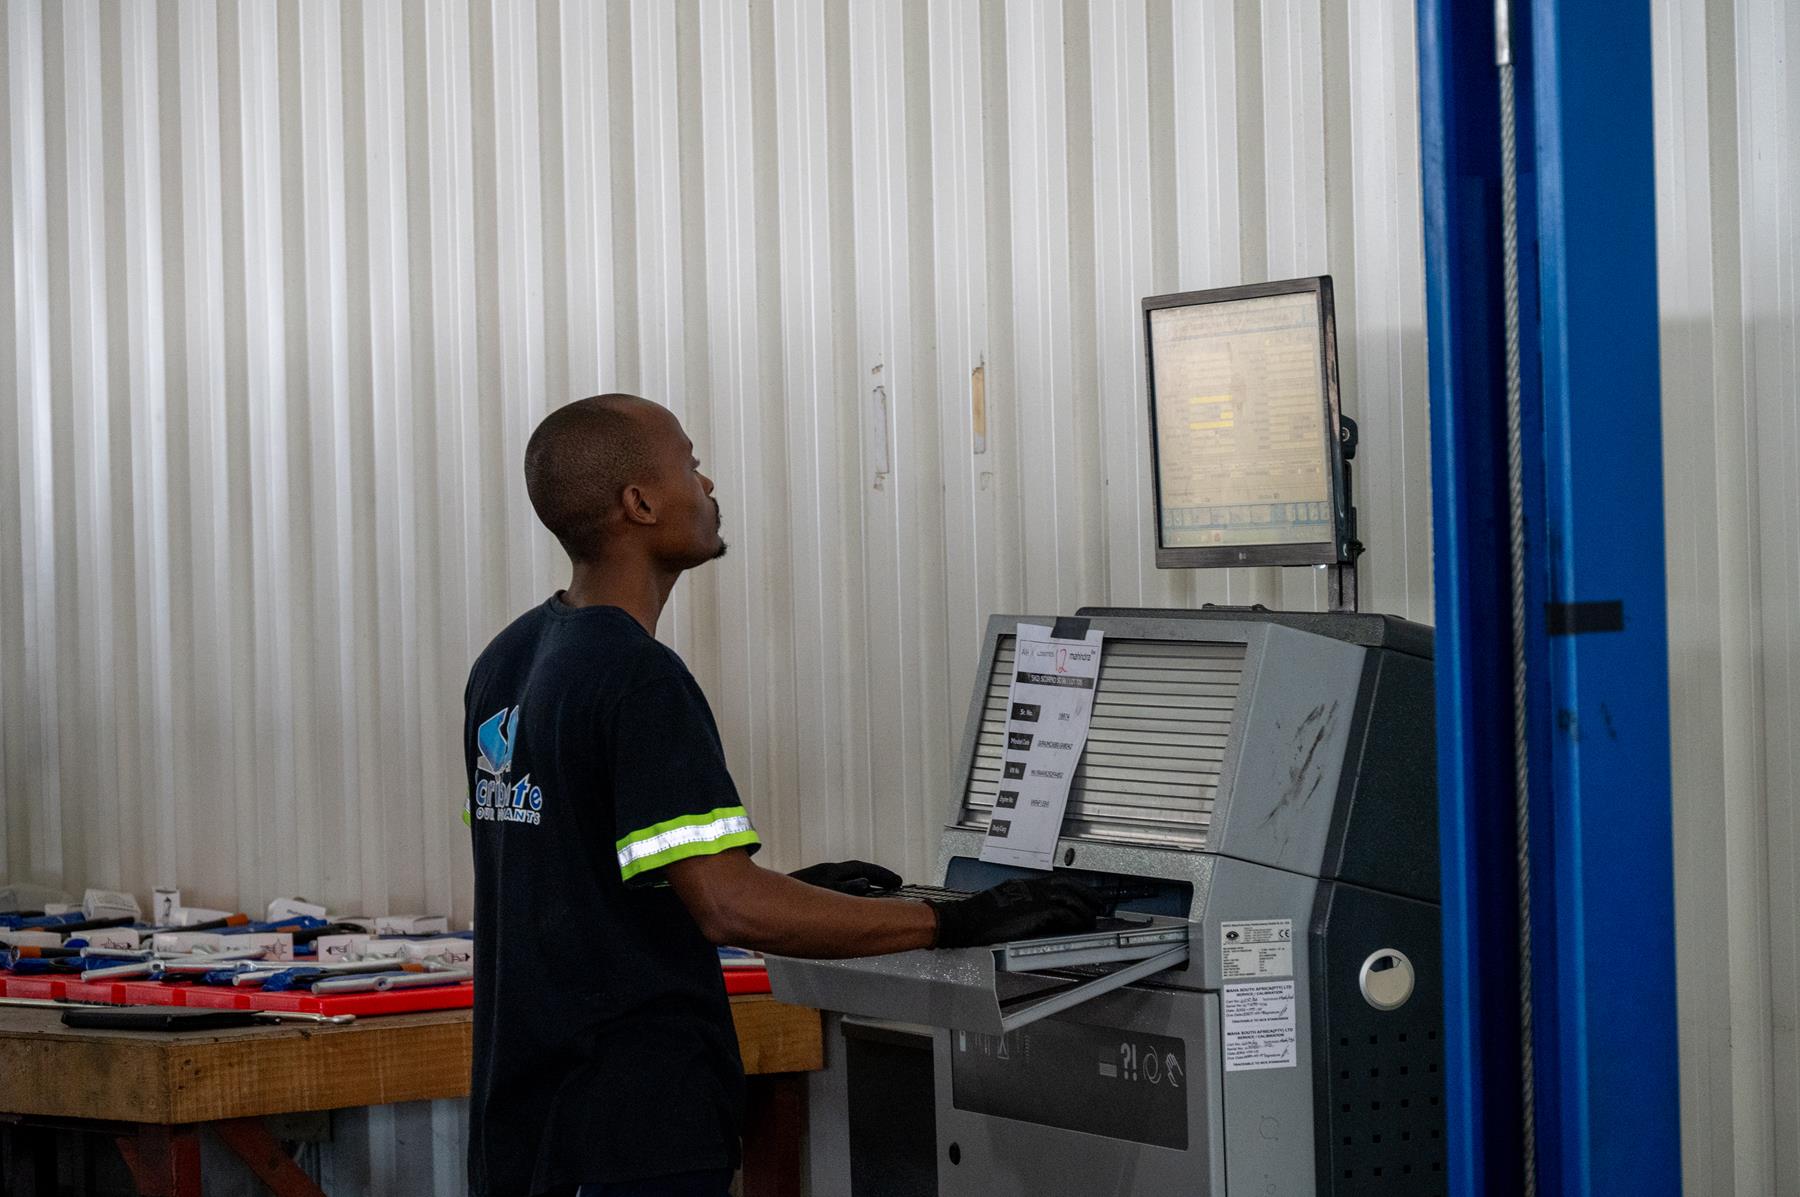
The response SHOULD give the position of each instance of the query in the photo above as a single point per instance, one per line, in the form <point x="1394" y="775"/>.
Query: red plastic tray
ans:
<point x="746" y="980"/>
<point x="218" y="997"/>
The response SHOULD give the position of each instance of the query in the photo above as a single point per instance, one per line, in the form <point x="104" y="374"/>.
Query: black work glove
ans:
<point x="1017" y="910"/>
<point x="856" y="877"/>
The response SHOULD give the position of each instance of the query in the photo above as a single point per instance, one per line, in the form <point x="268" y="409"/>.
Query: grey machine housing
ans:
<point x="1243" y="769"/>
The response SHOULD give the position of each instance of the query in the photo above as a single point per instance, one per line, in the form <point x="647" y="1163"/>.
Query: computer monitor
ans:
<point x="1244" y="427"/>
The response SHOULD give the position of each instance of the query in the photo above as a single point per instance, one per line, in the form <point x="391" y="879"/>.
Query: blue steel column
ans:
<point x="1602" y="870"/>
<point x="1617" y="1116"/>
<point x="1460" y="133"/>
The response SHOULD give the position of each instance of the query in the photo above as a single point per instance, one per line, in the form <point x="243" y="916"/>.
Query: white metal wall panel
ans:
<point x="331" y="852"/>
<point x="289" y="285"/>
<point x="1385" y="380"/>
<point x="1725" y="1036"/>
<point x="1768" y="106"/>
<point x="1058" y="465"/>
<point x="519" y="268"/>
<point x="959" y="272"/>
<point x="1124" y="272"/>
<point x="34" y="766"/>
<point x="587" y="198"/>
<point x="897" y="626"/>
<point x="87" y="378"/>
<point x="660" y="307"/>
<point x="213" y="745"/>
<point x="401" y="522"/>
<point x="809" y="255"/>
<point x="1220" y="222"/>
<point x="268" y="805"/>
<point x="154" y="698"/>
<point x="1728" y="244"/>
<point x="1297" y="188"/>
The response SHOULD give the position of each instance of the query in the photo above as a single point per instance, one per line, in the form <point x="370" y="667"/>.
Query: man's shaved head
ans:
<point x="581" y="459"/>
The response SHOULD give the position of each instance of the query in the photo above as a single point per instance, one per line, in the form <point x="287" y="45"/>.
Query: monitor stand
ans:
<point x="1341" y="592"/>
<point x="1341" y="595"/>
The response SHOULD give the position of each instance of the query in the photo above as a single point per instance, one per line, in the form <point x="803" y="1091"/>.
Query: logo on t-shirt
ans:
<point x="497" y="798"/>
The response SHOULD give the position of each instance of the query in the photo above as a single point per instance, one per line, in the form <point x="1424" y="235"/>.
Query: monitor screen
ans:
<point x="1244" y="424"/>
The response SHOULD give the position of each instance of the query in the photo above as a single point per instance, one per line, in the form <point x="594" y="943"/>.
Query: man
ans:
<point x="612" y="852"/>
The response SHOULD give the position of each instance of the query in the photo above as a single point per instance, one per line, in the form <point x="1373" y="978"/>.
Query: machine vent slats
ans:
<point x="1178" y="758"/>
<point x="1155" y="748"/>
<point x="1163" y="781"/>
<point x="1141" y="728"/>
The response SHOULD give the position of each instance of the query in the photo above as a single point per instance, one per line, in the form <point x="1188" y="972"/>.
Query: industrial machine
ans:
<point x="1260" y="1013"/>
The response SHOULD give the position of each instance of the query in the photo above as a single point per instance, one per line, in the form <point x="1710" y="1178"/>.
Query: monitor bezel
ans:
<point x="1323" y="552"/>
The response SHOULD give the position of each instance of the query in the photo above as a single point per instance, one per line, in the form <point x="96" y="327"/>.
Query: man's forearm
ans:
<point x="737" y="902"/>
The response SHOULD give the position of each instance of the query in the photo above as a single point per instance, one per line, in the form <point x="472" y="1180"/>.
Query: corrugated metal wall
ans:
<point x="292" y="283"/>
<point x="1728" y="207"/>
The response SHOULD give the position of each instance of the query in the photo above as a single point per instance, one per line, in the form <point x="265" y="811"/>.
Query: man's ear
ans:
<point x="637" y="505"/>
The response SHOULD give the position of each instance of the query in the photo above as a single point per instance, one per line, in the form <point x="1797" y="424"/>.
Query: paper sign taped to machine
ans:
<point x="1047" y="714"/>
<point x="1261" y="1026"/>
<point x="1263" y="948"/>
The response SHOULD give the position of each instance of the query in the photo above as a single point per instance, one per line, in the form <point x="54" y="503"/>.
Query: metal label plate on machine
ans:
<point x="1257" y="948"/>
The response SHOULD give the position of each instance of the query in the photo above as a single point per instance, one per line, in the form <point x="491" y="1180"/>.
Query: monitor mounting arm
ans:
<point x="1342" y="592"/>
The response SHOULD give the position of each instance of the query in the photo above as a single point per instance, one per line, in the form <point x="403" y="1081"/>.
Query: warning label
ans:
<point x="1261" y="1028"/>
<point x="1262" y="948"/>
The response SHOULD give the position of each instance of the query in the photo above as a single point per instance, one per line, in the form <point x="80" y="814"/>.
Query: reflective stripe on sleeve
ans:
<point x="690" y="835"/>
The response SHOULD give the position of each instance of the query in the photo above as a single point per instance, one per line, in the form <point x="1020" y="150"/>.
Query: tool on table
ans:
<point x="381" y="982"/>
<point x="117" y="972"/>
<point x="41" y="922"/>
<point x="86" y="924"/>
<point x="200" y="966"/>
<point x="279" y="1015"/>
<point x="155" y="966"/>
<point x="156" y="1018"/>
<point x="35" y="961"/>
<point x="307" y="935"/>
<point x="37" y="966"/>
<point x="230" y="920"/>
<point x="303" y="976"/>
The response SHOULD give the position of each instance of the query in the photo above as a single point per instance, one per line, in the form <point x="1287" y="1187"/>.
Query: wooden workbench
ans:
<point x="153" y="1090"/>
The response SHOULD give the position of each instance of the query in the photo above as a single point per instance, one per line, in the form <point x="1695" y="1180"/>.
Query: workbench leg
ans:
<point x="37" y="1149"/>
<point x="775" y="1120"/>
<point x="164" y="1160"/>
<point x="253" y="1143"/>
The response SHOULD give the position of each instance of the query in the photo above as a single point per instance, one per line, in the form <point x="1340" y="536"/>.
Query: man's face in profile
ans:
<point x="688" y="517"/>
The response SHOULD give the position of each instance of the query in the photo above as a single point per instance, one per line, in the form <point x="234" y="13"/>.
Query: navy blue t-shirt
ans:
<point x="604" y="1047"/>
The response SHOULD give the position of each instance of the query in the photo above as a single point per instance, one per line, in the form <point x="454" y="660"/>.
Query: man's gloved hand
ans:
<point x="1018" y="910"/>
<point x="856" y="877"/>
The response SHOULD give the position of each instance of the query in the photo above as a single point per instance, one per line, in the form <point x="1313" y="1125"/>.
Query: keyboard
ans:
<point x="929" y="893"/>
<point x="937" y="893"/>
